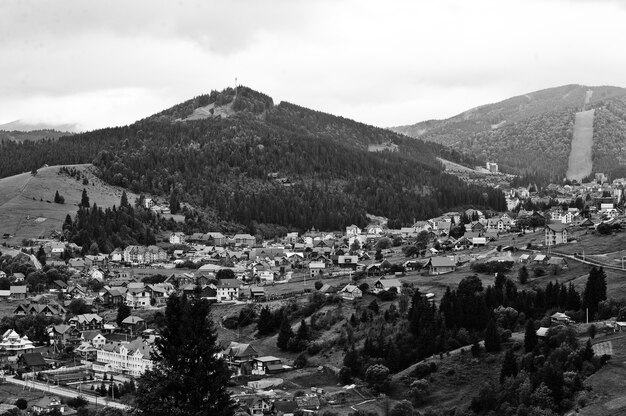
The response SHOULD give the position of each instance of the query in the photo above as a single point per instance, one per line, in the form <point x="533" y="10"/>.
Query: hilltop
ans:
<point x="243" y="159"/>
<point x="27" y="208"/>
<point x="532" y="133"/>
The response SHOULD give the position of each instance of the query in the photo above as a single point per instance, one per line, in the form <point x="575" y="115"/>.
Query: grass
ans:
<point x="26" y="207"/>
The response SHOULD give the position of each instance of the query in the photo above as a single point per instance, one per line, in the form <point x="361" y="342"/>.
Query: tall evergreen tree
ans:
<point x="124" y="200"/>
<point x="492" y="338"/>
<point x="187" y="378"/>
<point x="265" y="324"/>
<point x="509" y="365"/>
<point x="84" y="199"/>
<point x="123" y="312"/>
<point x="530" y="336"/>
<point x="285" y="333"/>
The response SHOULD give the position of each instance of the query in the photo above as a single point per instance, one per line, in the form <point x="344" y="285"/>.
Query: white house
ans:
<point x="316" y="269"/>
<point x="351" y="292"/>
<point x="177" y="238"/>
<point x="352" y="231"/>
<point x="228" y="289"/>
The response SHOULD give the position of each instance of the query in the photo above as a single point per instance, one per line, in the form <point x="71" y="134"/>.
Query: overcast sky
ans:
<point x="386" y="63"/>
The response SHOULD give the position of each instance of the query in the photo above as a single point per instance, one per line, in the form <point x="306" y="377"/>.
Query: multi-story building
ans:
<point x="131" y="358"/>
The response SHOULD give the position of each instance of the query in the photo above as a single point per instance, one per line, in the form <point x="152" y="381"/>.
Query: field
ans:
<point x="27" y="209"/>
<point x="607" y="396"/>
<point x="580" y="163"/>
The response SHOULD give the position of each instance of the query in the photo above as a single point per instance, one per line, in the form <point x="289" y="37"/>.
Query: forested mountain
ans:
<point x="243" y="159"/>
<point x="532" y="133"/>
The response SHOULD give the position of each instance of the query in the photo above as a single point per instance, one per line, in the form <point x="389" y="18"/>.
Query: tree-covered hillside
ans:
<point x="261" y="163"/>
<point x="532" y="133"/>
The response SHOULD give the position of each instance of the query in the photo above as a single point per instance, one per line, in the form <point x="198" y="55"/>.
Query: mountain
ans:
<point x="532" y="133"/>
<point x="20" y="131"/>
<point x="244" y="160"/>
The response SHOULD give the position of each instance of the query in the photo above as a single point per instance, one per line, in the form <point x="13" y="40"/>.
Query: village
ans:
<point x="95" y="351"/>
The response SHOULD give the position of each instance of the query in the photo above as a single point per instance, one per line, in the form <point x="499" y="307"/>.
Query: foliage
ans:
<point x="187" y="378"/>
<point x="123" y="312"/>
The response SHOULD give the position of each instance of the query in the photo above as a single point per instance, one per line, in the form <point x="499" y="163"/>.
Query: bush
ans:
<point x="21" y="404"/>
<point x="318" y="285"/>
<point x="315" y="347"/>
<point x="421" y="370"/>
<point x="538" y="271"/>
<point x="77" y="402"/>
<point x="300" y="361"/>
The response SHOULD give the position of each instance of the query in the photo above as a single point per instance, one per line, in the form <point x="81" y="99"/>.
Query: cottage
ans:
<point x="316" y="269"/>
<point x="440" y="265"/>
<point x="386" y="284"/>
<point x="285" y="407"/>
<point x="177" y="238"/>
<point x="94" y="338"/>
<point x="87" y="321"/>
<point x="351" y="292"/>
<point x="32" y="361"/>
<point x="245" y="240"/>
<point x="48" y="405"/>
<point x="237" y="354"/>
<point x="133" y="324"/>
<point x="18" y="292"/>
<point x="266" y="365"/>
<point x="258" y="405"/>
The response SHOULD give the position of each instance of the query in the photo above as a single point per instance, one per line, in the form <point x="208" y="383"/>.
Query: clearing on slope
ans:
<point x="27" y="208"/>
<point x="580" y="163"/>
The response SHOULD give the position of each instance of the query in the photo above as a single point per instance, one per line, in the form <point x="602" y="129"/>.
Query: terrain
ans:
<point x="27" y="208"/>
<point x="532" y="133"/>
<point x="242" y="159"/>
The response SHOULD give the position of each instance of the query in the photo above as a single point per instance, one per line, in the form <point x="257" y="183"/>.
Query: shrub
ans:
<point x="21" y="404"/>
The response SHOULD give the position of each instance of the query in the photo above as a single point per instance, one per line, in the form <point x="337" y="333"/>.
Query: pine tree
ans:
<point x="509" y="365"/>
<point x="67" y="224"/>
<point x="124" y="200"/>
<point x="84" y="200"/>
<point x="123" y="312"/>
<point x="492" y="338"/>
<point x="187" y="378"/>
<point x="522" y="275"/>
<point x="41" y="256"/>
<point x="285" y="333"/>
<point x="264" y="325"/>
<point x="530" y="336"/>
<point x="303" y="332"/>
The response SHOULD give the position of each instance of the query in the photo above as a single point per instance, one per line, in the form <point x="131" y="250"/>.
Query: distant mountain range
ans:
<point x="19" y="130"/>
<point x="267" y="167"/>
<point x="531" y="133"/>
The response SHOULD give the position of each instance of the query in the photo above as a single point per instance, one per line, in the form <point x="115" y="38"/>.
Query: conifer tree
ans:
<point x="124" y="200"/>
<point x="264" y="325"/>
<point x="509" y="365"/>
<point x="285" y="333"/>
<point x="530" y="336"/>
<point x="187" y="378"/>
<point x="492" y="338"/>
<point x="84" y="199"/>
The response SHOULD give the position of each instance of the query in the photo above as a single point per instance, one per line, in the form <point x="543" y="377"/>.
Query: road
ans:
<point x="61" y="391"/>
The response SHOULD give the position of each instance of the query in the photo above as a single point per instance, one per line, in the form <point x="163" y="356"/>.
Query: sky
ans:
<point x="97" y="64"/>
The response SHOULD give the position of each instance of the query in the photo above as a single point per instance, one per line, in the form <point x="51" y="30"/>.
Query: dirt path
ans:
<point x="580" y="163"/>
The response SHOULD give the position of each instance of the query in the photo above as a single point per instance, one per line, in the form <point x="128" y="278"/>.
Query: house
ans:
<point x="257" y="292"/>
<point x="158" y="295"/>
<point x="138" y="297"/>
<point x="94" y="338"/>
<point x="352" y="231"/>
<point x="316" y="269"/>
<point x="440" y="265"/>
<point x="560" y="318"/>
<point x="96" y="273"/>
<point x="308" y="402"/>
<point x="113" y="296"/>
<point x="245" y="240"/>
<point x="351" y="292"/>
<point x="386" y="284"/>
<point x="218" y="239"/>
<point x="77" y="263"/>
<point x="177" y="238"/>
<point x="18" y="292"/>
<point x="558" y="262"/>
<point x="228" y="289"/>
<point x="32" y="361"/>
<point x="541" y="258"/>
<point x="524" y="258"/>
<point x="285" y="407"/>
<point x="348" y="262"/>
<point x="64" y="335"/>
<point x="542" y="332"/>
<point x="327" y="289"/>
<point x="13" y="344"/>
<point x="237" y="354"/>
<point x="555" y="234"/>
<point x="48" y="404"/>
<point x="133" y="324"/>
<point x="258" y="405"/>
<point x="3" y="275"/>
<point x="266" y="365"/>
<point x="87" y="321"/>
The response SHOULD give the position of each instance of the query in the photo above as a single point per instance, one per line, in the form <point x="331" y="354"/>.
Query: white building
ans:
<point x="14" y="344"/>
<point x="177" y="238"/>
<point x="124" y="358"/>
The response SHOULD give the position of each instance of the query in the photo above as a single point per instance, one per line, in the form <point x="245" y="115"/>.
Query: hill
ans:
<point x="532" y="133"/>
<point x="243" y="159"/>
<point x="27" y="209"/>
